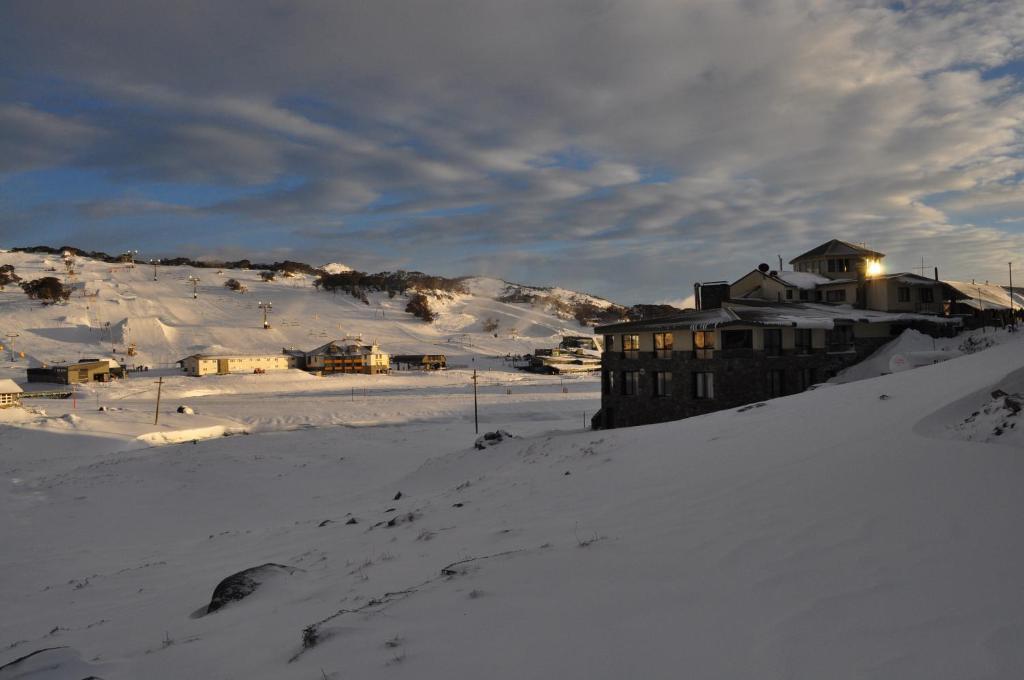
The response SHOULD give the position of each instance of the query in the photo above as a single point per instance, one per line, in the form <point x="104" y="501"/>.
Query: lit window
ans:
<point x="663" y="345"/>
<point x="703" y="344"/>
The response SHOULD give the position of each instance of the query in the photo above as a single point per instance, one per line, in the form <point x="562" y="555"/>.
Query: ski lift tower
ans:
<point x="266" y="307"/>
<point x="194" y="280"/>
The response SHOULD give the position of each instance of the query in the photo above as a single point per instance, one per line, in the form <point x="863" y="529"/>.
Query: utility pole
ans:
<point x="194" y="280"/>
<point x="154" y="263"/>
<point x="159" y="388"/>
<point x="1013" y="317"/>
<point x="476" y="414"/>
<point x="266" y="307"/>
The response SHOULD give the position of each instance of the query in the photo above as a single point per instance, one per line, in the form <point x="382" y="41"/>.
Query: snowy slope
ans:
<point x="115" y="306"/>
<point x="850" y="532"/>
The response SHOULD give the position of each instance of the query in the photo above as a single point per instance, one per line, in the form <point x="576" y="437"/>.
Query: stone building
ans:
<point x="768" y="334"/>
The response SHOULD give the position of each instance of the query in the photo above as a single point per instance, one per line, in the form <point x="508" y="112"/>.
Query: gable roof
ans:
<point x="8" y="386"/>
<point x="837" y="247"/>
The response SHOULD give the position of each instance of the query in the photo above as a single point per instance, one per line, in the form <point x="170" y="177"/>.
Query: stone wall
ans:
<point x="741" y="377"/>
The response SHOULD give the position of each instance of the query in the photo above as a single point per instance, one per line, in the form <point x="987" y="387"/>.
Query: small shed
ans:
<point x="10" y="393"/>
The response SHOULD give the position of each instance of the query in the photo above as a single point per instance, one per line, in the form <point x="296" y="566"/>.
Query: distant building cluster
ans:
<point x="343" y="356"/>
<point x="772" y="333"/>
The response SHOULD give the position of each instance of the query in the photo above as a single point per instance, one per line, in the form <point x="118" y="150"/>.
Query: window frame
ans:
<point x="703" y="385"/>
<point x="703" y="349"/>
<point x="663" y="384"/>
<point x="630" y="383"/>
<point x="666" y="340"/>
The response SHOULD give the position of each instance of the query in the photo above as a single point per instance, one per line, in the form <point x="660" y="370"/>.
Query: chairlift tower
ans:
<point x="10" y="342"/>
<point x="266" y="307"/>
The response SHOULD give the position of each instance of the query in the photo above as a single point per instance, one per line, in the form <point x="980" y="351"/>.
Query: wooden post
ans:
<point x="159" y="389"/>
<point x="476" y="416"/>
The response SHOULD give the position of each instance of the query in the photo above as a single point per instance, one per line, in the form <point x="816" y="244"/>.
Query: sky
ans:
<point x="624" y="147"/>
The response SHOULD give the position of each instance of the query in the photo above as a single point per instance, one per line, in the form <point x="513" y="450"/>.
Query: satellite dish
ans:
<point x="763" y="268"/>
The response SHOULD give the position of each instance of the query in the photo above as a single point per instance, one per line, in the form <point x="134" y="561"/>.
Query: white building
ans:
<point x="10" y="393"/>
<point x="222" y="364"/>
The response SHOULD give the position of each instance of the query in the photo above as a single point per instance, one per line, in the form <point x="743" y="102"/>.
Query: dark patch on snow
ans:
<point x="241" y="585"/>
<point x="492" y="438"/>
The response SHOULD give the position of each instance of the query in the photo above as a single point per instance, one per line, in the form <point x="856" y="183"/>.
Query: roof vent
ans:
<point x="773" y="273"/>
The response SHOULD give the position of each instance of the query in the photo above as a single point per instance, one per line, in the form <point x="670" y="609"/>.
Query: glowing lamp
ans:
<point x="874" y="268"/>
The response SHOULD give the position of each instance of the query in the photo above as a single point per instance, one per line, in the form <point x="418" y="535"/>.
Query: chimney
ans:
<point x="936" y="273"/>
<point x="713" y="294"/>
<point x="696" y="296"/>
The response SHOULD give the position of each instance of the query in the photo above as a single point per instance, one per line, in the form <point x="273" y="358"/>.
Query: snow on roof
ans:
<point x="803" y="280"/>
<point x="985" y="296"/>
<point x="791" y="314"/>
<point x="8" y="386"/>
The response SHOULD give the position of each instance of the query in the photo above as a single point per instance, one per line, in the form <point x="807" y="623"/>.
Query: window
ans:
<point x="836" y="295"/>
<point x="630" y="382"/>
<point x="817" y="296"/>
<point x="804" y="379"/>
<point x="839" y="264"/>
<point x="662" y="384"/>
<point x="839" y="339"/>
<point x="772" y="341"/>
<point x="903" y="294"/>
<point x="630" y="346"/>
<point x="775" y="383"/>
<point x="789" y="293"/>
<point x="663" y="345"/>
<point x="609" y="343"/>
<point x="738" y="339"/>
<point x="925" y="295"/>
<point x="803" y="340"/>
<point x="704" y="385"/>
<point x="609" y="382"/>
<point x="804" y="294"/>
<point x="703" y="344"/>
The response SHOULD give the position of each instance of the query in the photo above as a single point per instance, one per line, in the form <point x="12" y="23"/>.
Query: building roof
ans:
<point x="772" y="314"/>
<point x="8" y="386"/>
<point x="986" y="296"/>
<point x="343" y="347"/>
<point x="802" y="280"/>
<point x="230" y="356"/>
<point x="835" y="247"/>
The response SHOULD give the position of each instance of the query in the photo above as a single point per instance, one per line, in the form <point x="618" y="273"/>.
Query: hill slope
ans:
<point x="114" y="306"/>
<point x="851" y="532"/>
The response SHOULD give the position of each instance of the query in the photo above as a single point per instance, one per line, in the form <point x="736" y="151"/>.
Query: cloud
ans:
<point x="651" y="142"/>
<point x="31" y="139"/>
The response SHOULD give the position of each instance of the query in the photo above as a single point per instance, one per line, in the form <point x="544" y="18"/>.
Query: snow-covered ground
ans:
<point x="866" y="530"/>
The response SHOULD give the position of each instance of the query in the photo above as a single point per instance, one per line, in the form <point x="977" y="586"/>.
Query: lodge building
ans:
<point x="768" y="334"/>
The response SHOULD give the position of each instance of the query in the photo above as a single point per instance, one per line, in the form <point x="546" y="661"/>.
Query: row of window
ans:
<point x="702" y="383"/>
<point x="923" y="294"/>
<point x="704" y="341"/>
<point x="832" y="264"/>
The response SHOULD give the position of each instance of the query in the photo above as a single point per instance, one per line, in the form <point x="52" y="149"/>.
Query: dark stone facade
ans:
<point x="741" y="376"/>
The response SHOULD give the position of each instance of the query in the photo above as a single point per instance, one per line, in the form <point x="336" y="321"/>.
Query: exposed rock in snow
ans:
<point x="493" y="438"/>
<point x="244" y="583"/>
